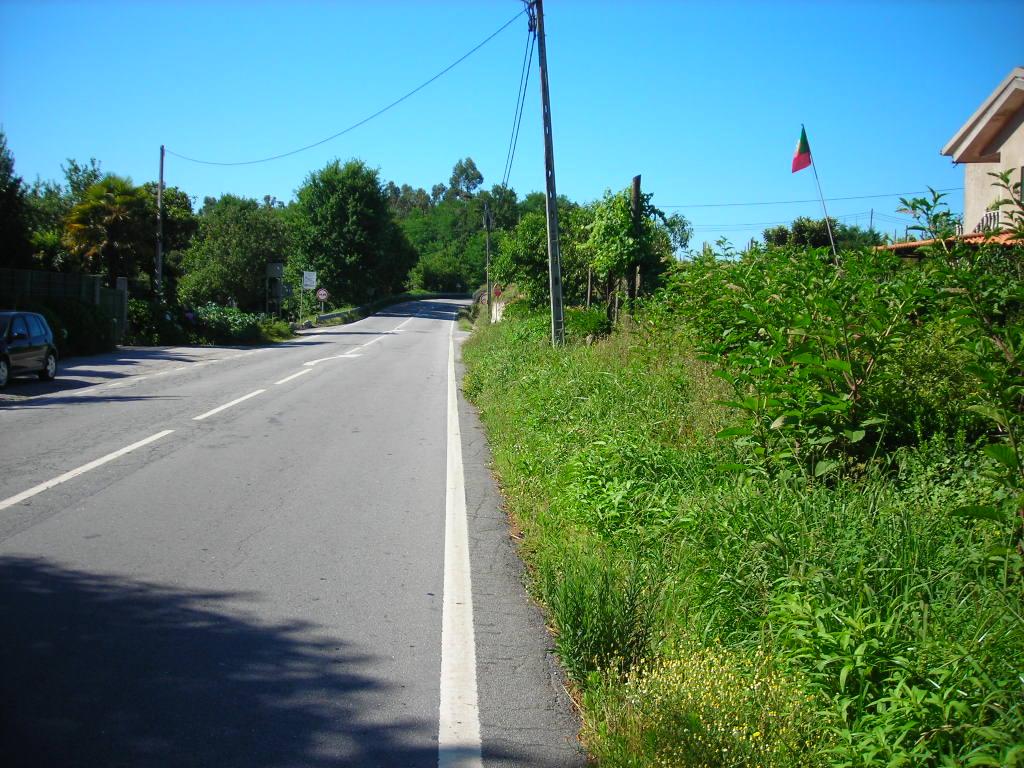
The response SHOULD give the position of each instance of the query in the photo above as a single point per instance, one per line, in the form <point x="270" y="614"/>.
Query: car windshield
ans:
<point x="5" y="321"/>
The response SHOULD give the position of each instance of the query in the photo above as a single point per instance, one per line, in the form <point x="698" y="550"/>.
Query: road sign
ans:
<point x="308" y="281"/>
<point x="322" y="294"/>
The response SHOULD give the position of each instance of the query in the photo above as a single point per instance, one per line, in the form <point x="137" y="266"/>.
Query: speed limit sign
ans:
<point x="322" y="294"/>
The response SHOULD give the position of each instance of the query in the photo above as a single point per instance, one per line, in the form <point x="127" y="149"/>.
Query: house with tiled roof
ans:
<point x="991" y="141"/>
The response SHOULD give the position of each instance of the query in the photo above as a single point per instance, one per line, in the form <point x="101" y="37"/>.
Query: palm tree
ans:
<point x="109" y="229"/>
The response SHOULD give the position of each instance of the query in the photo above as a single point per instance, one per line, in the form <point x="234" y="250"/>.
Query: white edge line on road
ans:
<point x="10" y="502"/>
<point x="220" y="408"/>
<point x="294" y="376"/>
<point x="458" y="736"/>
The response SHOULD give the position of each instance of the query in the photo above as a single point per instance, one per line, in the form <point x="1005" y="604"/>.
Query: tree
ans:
<point x="15" y="247"/>
<point x="179" y="227"/>
<point x="813" y="233"/>
<point x="619" y="249"/>
<point x="80" y="176"/>
<point x="111" y="230"/>
<point x="504" y="206"/>
<point x="226" y="262"/>
<point x="465" y="179"/>
<point x="522" y="259"/>
<point x="345" y="231"/>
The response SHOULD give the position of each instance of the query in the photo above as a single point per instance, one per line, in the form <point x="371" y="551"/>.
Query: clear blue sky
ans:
<point x="704" y="99"/>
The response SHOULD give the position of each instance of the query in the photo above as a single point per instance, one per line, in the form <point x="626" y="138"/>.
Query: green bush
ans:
<point x="582" y="324"/>
<point x="156" y="323"/>
<point x="888" y="601"/>
<point x="227" y="325"/>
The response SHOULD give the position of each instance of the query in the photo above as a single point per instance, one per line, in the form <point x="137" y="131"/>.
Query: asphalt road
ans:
<point x="262" y="584"/>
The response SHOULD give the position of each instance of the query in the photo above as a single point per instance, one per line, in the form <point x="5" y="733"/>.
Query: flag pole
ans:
<point x="828" y="224"/>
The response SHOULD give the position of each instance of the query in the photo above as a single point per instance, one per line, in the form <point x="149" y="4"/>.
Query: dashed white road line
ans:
<point x="458" y="737"/>
<point x="293" y="376"/>
<point x="220" y="408"/>
<point x="311" y="363"/>
<point x="10" y="502"/>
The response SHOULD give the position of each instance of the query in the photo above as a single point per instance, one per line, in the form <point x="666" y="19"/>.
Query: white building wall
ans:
<point x="979" y="193"/>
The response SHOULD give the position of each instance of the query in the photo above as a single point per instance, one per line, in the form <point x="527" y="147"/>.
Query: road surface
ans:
<point x="283" y="556"/>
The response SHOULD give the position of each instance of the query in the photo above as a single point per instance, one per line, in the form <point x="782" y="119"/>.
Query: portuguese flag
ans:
<point x="802" y="155"/>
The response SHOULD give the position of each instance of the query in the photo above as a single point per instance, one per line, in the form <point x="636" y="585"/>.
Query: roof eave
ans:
<point x="967" y="138"/>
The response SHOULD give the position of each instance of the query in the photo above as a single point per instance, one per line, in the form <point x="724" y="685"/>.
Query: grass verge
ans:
<point x="714" y="619"/>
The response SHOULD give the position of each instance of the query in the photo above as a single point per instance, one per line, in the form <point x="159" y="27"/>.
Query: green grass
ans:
<point x="688" y="601"/>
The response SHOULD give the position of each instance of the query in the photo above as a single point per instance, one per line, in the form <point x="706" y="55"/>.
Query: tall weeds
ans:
<point x="836" y="586"/>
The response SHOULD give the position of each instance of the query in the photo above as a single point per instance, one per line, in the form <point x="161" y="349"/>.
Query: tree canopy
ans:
<point x="344" y="230"/>
<point x="226" y="261"/>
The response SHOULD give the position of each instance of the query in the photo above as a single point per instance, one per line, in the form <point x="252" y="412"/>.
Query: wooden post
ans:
<point x="633" y="281"/>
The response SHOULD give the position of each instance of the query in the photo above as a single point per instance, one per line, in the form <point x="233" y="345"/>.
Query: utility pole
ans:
<point x="160" y="228"/>
<point x="487" y="229"/>
<point x="633" y="280"/>
<point x="554" y="257"/>
<point x="871" y="221"/>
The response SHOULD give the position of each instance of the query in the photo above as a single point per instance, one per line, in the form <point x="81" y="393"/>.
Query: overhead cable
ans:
<point x="365" y="120"/>
<point x="517" y="119"/>
<point x="812" y="200"/>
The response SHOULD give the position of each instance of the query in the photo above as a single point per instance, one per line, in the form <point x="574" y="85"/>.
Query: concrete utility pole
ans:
<point x="487" y="229"/>
<point x="160" y="227"/>
<point x="554" y="257"/>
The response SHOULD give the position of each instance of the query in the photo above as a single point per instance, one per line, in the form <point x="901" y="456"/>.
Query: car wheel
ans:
<point x="50" y="370"/>
<point x="5" y="372"/>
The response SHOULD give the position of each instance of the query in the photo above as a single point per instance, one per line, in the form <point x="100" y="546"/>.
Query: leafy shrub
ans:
<point x="275" y="329"/>
<point x="88" y="328"/>
<point x="583" y="324"/>
<point x="227" y="325"/>
<point x="891" y="604"/>
<point x="156" y="323"/>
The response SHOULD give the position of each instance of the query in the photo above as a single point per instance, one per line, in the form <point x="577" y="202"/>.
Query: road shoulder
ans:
<point x="526" y="717"/>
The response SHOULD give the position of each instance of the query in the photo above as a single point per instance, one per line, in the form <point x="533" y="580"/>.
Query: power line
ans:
<point x="517" y="120"/>
<point x="365" y="120"/>
<point x="759" y="224"/>
<point x="813" y="200"/>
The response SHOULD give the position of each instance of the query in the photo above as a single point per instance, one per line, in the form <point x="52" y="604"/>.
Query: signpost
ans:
<point x="308" y="284"/>
<point x="322" y="295"/>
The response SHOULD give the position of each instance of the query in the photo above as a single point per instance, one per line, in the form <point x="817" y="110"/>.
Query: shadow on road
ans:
<point x="100" y="671"/>
<point x="9" y="403"/>
<point x="434" y="310"/>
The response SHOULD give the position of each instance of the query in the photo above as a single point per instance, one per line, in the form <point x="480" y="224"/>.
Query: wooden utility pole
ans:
<point x="554" y="257"/>
<point x="633" y="272"/>
<point x="160" y="228"/>
<point x="487" y="229"/>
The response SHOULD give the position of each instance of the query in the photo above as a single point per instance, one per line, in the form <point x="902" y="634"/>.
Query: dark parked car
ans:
<point x="26" y="346"/>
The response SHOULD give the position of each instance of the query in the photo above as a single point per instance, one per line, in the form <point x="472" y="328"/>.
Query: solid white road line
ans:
<point x="294" y="376"/>
<point x="458" y="737"/>
<point x="10" y="502"/>
<point x="220" y="408"/>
